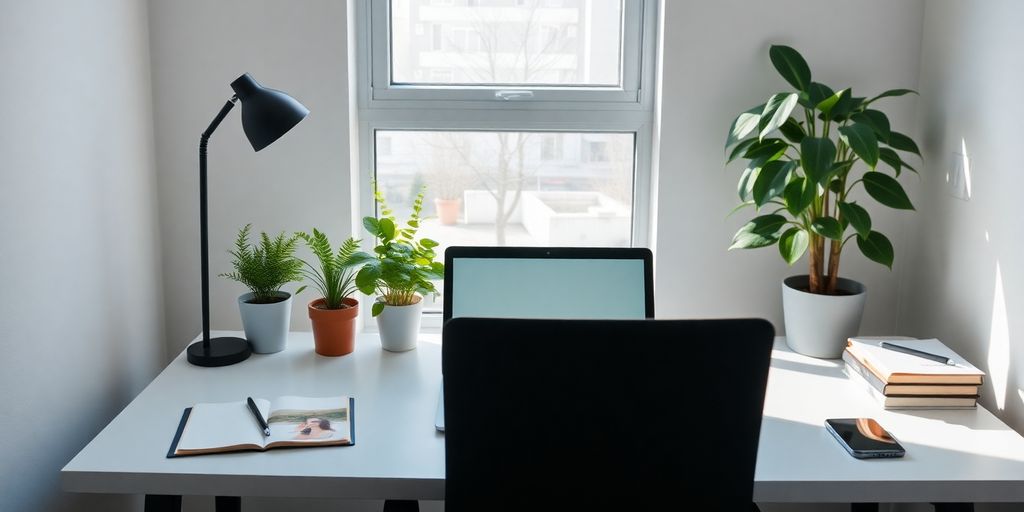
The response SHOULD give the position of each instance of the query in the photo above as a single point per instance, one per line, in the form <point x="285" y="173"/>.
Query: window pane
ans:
<point x="506" y="42"/>
<point x="512" y="188"/>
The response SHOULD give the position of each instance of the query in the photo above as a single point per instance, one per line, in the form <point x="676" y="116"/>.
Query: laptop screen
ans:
<point x="557" y="283"/>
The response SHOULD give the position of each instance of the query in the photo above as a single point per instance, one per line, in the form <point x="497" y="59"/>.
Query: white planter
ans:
<point x="266" y="325"/>
<point x="400" y="326"/>
<point x="819" y="325"/>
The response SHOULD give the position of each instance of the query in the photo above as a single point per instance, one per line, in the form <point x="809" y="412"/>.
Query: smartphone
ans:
<point x="864" y="438"/>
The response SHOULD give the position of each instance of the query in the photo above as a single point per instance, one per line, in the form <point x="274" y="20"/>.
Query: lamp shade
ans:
<point x="267" y="114"/>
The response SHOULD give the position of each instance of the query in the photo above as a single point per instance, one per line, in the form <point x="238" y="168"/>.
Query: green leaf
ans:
<point x="366" y="279"/>
<point x="745" y="187"/>
<point x="903" y="143"/>
<point x="387" y="229"/>
<point x="890" y="93"/>
<point x="378" y="308"/>
<point x="816" y="157"/>
<point x="878" y="122"/>
<point x="771" y="181"/>
<point x="799" y="195"/>
<point x="759" y="232"/>
<point x="792" y="244"/>
<point x="793" y="131"/>
<point x="372" y="226"/>
<point x="816" y="93"/>
<point x="766" y="151"/>
<point x="861" y="138"/>
<point x="886" y="190"/>
<point x="744" y="125"/>
<point x="890" y="157"/>
<point x="740" y="149"/>
<point x="428" y="243"/>
<point x="828" y="227"/>
<point x="791" y="65"/>
<point x="776" y="112"/>
<point x="846" y="104"/>
<point x="826" y="105"/>
<point x="857" y="216"/>
<point x="877" y="248"/>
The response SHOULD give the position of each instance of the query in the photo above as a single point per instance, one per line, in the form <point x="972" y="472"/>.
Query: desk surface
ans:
<point x="962" y="455"/>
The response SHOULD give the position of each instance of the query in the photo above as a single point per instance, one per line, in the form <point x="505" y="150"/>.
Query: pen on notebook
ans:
<point x="918" y="353"/>
<point x="259" y="416"/>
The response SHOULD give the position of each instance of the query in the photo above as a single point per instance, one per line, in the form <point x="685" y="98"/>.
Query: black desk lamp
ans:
<point x="267" y="114"/>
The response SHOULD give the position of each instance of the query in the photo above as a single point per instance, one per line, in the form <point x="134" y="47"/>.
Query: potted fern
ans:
<point x="264" y="268"/>
<point x="400" y="274"/>
<point x="807" y="151"/>
<point x="334" y="314"/>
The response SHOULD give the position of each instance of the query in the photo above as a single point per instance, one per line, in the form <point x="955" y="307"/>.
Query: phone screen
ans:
<point x="864" y="435"/>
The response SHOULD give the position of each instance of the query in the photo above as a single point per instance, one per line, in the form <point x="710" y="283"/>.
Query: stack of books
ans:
<point x="901" y="380"/>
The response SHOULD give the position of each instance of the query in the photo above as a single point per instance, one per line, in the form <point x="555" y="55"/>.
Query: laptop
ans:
<point x="627" y="413"/>
<point x="602" y="283"/>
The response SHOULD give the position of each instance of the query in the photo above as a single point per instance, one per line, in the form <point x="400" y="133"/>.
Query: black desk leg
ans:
<point x="401" y="506"/>
<point x="953" y="507"/>
<point x="163" y="503"/>
<point x="227" y="504"/>
<point x="864" y="507"/>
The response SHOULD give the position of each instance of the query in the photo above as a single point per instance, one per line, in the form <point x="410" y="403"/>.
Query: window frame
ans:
<point x="475" y="108"/>
<point x="636" y="56"/>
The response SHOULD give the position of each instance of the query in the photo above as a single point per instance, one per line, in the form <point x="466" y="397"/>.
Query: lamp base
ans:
<point x="222" y="352"/>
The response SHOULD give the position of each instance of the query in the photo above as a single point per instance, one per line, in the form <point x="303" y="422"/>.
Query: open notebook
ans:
<point x="294" y="422"/>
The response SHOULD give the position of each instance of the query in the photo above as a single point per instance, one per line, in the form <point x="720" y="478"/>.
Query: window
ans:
<point x="528" y="121"/>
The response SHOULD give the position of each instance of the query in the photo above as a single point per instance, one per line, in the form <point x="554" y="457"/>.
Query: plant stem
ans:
<point x="817" y="249"/>
<point x="833" y="266"/>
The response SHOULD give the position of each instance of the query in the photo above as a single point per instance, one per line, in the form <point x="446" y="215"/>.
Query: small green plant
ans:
<point x="266" y="267"/>
<point x="335" y="276"/>
<point x="806" y="170"/>
<point x="403" y="266"/>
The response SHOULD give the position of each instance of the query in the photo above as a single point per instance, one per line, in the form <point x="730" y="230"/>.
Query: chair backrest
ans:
<point x="596" y="412"/>
<point x="549" y="282"/>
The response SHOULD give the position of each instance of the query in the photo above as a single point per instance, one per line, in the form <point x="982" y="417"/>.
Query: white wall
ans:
<point x="81" y="321"/>
<point x="967" y="284"/>
<point x="198" y="49"/>
<point x="716" y="66"/>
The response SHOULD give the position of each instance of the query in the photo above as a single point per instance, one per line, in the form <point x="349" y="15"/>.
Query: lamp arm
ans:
<point x="203" y="242"/>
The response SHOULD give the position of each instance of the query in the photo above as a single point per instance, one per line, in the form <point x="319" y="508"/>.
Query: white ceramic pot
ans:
<point x="400" y="326"/>
<point x="819" y="325"/>
<point x="266" y="325"/>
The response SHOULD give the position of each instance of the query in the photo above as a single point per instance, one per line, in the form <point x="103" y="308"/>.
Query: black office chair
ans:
<point x="573" y="414"/>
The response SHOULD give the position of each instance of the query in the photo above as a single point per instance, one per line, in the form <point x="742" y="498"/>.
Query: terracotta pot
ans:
<point x="334" y="330"/>
<point x="448" y="210"/>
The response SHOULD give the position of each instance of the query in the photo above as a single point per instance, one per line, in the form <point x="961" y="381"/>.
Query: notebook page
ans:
<point x="220" y="425"/>
<point x="301" y="420"/>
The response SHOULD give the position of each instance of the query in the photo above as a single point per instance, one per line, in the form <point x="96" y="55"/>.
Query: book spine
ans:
<point x="854" y="364"/>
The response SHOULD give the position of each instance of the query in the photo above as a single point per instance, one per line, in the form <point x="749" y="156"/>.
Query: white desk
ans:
<point x="964" y="456"/>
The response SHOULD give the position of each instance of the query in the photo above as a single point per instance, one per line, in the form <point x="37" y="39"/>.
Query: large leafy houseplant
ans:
<point x="264" y="267"/>
<point x="404" y="266"/>
<point x="806" y="151"/>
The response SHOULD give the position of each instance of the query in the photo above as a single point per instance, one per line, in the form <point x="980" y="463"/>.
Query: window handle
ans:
<point x="513" y="95"/>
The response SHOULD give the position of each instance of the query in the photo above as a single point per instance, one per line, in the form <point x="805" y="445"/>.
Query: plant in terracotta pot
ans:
<point x="334" y="314"/>
<point x="807" y="152"/>
<point x="448" y="183"/>
<point x="264" y="268"/>
<point x="401" y="274"/>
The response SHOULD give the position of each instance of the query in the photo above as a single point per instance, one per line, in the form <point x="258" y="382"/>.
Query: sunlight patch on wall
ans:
<point x="999" y="343"/>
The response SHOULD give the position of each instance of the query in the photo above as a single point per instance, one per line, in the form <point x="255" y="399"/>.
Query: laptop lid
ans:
<point x="548" y="282"/>
<point x="635" y="413"/>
